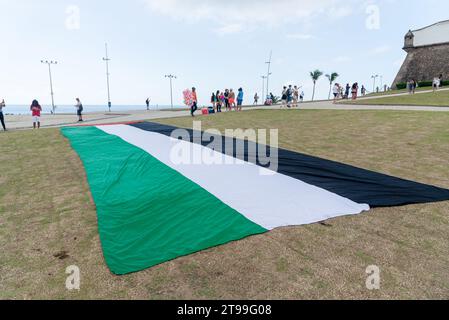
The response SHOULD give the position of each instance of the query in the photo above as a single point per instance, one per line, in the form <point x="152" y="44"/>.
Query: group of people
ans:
<point x="36" y="111"/>
<point x="411" y="86"/>
<point x="227" y="99"/>
<point x="291" y="97"/>
<point x="341" y="92"/>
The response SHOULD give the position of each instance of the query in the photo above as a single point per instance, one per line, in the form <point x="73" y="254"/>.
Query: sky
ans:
<point x="208" y="44"/>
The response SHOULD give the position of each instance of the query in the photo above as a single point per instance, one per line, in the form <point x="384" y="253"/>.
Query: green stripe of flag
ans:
<point x="147" y="212"/>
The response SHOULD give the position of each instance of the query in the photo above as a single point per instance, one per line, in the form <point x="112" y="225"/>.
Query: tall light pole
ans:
<point x="269" y="72"/>
<point x="263" y="89"/>
<point x="374" y="79"/>
<point x="106" y="59"/>
<point x="171" y="77"/>
<point x="50" y="63"/>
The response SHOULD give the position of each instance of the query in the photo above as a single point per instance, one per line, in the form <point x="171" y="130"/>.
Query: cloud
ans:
<point x="232" y="16"/>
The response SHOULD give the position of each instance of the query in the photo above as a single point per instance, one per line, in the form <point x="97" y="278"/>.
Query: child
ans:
<point x="36" y="114"/>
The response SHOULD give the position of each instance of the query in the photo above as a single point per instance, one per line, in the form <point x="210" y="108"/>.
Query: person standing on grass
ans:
<point x="79" y="109"/>
<point x="437" y="83"/>
<point x="414" y="86"/>
<point x="363" y="91"/>
<point x="213" y="101"/>
<point x="218" y="97"/>
<point x="355" y="90"/>
<point x="284" y="97"/>
<point x="240" y="100"/>
<point x="348" y="88"/>
<point x="195" y="102"/>
<point x="226" y="97"/>
<point x="336" y="91"/>
<point x="434" y="84"/>
<point x="289" y="96"/>
<point x="256" y="99"/>
<point x="36" y="110"/>
<point x="408" y="86"/>
<point x="232" y="100"/>
<point x="2" y="117"/>
<point x="296" y="96"/>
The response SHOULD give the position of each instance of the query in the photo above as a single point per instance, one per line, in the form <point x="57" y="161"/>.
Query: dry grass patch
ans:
<point x="46" y="208"/>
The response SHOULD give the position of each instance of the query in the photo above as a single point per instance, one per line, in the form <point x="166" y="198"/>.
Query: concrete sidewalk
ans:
<point x="23" y="122"/>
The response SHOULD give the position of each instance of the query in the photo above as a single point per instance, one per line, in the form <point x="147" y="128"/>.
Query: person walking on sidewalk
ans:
<point x="36" y="110"/>
<point x="195" y="102"/>
<point x="79" y="109"/>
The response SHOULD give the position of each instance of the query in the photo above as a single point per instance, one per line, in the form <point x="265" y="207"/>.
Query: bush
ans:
<point x="425" y="84"/>
<point x="421" y="84"/>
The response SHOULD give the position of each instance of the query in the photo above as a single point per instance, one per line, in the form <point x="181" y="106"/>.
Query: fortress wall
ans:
<point x="438" y="33"/>
<point x="424" y="64"/>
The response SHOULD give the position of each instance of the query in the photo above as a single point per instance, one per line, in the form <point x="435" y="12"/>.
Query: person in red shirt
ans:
<point x="36" y="110"/>
<point x="195" y="102"/>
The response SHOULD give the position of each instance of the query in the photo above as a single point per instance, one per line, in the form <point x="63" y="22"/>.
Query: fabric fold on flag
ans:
<point x="359" y="185"/>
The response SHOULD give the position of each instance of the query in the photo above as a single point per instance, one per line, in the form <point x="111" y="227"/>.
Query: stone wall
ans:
<point x="424" y="64"/>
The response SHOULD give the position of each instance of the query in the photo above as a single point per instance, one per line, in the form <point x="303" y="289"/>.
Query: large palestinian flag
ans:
<point x="152" y="209"/>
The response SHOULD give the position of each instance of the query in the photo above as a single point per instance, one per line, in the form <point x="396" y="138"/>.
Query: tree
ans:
<point x="315" y="75"/>
<point x="332" y="77"/>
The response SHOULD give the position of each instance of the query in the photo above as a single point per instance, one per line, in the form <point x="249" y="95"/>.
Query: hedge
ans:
<point x="402" y="85"/>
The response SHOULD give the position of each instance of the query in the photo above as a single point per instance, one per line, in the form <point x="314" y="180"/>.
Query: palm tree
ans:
<point x="315" y="75"/>
<point x="332" y="77"/>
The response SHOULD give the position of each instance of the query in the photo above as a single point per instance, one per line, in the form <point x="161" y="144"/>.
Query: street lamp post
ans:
<point x="374" y="84"/>
<point x="269" y="72"/>
<point x="171" y="77"/>
<point x="106" y="59"/>
<point x="50" y="63"/>
<point x="263" y="89"/>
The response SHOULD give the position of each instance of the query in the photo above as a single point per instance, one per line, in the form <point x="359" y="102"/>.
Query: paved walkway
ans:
<point x="22" y="122"/>
<point x="399" y="94"/>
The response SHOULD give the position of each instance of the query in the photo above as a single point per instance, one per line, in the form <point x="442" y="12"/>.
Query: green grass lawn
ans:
<point x="46" y="208"/>
<point x="387" y="93"/>
<point x="437" y="99"/>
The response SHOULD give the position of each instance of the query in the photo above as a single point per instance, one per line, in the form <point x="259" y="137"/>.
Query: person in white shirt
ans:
<point x="336" y="91"/>
<point x="437" y="83"/>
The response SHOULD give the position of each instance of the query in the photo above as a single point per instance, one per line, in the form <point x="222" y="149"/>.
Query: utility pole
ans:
<point x="171" y="77"/>
<point x="50" y="63"/>
<point x="106" y="59"/>
<point x="269" y="72"/>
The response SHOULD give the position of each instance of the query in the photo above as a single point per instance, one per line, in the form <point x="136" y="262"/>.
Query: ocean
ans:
<point x="67" y="109"/>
